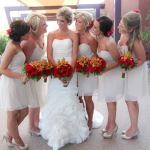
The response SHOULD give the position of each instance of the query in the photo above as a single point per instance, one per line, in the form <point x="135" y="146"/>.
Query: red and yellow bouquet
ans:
<point x="63" y="71"/>
<point x="33" y="70"/>
<point x="38" y="69"/>
<point x="47" y="69"/>
<point x="82" y="65"/>
<point x="96" y="65"/>
<point x="126" y="62"/>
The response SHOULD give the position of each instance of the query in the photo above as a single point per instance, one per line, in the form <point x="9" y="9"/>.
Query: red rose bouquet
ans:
<point x="126" y="62"/>
<point x="33" y="70"/>
<point x="47" y="69"/>
<point x="82" y="65"/>
<point x="97" y="65"/>
<point x="63" y="71"/>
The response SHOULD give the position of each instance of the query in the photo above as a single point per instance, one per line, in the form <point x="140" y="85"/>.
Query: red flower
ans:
<point x="82" y="65"/>
<point x="97" y="65"/>
<point x="9" y="31"/>
<point x="63" y="69"/>
<point x="137" y="10"/>
<point x="126" y="62"/>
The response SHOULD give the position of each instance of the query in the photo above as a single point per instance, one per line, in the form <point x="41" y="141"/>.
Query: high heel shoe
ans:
<point x="34" y="133"/>
<point x="109" y="135"/>
<point x="25" y="147"/>
<point x="126" y="137"/>
<point x="104" y="130"/>
<point x="9" y="144"/>
<point x="123" y="132"/>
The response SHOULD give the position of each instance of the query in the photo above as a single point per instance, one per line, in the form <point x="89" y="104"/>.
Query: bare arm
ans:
<point x="50" y="49"/>
<point x="112" y="48"/>
<point x="8" y="55"/>
<point x="139" y="52"/>
<point x="74" y="49"/>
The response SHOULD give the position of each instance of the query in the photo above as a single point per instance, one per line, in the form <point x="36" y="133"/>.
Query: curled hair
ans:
<point x="18" y="29"/>
<point x="34" y="20"/>
<point x="105" y="25"/>
<point x="67" y="13"/>
<point x="132" y="22"/>
<point x="87" y="18"/>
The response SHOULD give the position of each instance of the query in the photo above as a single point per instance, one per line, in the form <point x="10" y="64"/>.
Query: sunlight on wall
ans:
<point x="6" y="3"/>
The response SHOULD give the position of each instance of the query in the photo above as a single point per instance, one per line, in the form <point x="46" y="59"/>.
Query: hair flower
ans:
<point x="110" y="32"/>
<point x="9" y="31"/>
<point x="136" y="10"/>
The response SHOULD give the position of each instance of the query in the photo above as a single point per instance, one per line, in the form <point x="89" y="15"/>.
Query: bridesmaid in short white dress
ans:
<point x="13" y="93"/>
<point x="37" y="87"/>
<point x="110" y="81"/>
<point x="87" y="85"/>
<point x="34" y="50"/>
<point x="136" y="80"/>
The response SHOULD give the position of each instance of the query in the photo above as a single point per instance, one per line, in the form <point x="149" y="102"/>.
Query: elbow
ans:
<point x="1" y="70"/>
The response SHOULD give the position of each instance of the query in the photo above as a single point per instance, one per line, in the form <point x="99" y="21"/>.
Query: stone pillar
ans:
<point x="117" y="18"/>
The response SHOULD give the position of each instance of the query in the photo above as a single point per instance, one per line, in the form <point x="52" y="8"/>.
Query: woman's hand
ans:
<point x="23" y="78"/>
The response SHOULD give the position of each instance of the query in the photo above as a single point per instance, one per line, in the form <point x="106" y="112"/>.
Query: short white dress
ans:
<point x="37" y="87"/>
<point x="135" y="84"/>
<point x="14" y="95"/>
<point x="86" y="85"/>
<point x="111" y="83"/>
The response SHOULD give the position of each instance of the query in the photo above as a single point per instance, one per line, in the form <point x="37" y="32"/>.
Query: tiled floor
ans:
<point x="95" y="141"/>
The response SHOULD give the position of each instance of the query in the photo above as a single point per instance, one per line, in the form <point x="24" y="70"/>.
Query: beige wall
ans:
<point x="109" y="8"/>
<point x="128" y="5"/>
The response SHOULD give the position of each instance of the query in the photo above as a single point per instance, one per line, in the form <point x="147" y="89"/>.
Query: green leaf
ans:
<point x="3" y="41"/>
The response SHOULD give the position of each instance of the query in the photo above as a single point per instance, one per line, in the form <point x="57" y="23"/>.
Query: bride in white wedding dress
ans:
<point x="63" y="117"/>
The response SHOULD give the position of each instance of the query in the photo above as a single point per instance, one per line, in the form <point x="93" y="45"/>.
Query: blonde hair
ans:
<point x="34" y="20"/>
<point x="67" y="13"/>
<point x="132" y="22"/>
<point x="87" y="18"/>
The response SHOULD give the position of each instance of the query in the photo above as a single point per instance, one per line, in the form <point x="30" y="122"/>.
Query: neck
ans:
<point x="100" y="36"/>
<point x="36" y="36"/>
<point x="64" y="30"/>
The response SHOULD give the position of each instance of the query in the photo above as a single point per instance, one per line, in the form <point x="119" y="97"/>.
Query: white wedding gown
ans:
<point x="63" y="117"/>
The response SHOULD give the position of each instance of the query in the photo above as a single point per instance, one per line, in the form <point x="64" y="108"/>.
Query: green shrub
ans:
<point x="146" y="32"/>
<point x="146" y="36"/>
<point x="3" y="41"/>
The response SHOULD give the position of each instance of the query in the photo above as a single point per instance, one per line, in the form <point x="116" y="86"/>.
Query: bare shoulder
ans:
<point x="138" y="45"/>
<point x="110" y="42"/>
<point x="52" y="34"/>
<point x="10" y="48"/>
<point x="91" y="39"/>
<point x="73" y="33"/>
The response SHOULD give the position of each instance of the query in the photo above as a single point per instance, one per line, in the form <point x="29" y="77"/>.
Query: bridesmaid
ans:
<point x="87" y="85"/>
<point x="107" y="49"/>
<point x="13" y="94"/>
<point x="33" y="49"/>
<point x="136" y="79"/>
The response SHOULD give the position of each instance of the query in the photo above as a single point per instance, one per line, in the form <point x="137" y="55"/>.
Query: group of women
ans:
<point x="63" y="118"/>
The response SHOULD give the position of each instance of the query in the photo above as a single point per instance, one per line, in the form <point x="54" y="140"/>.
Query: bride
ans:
<point x="63" y="118"/>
